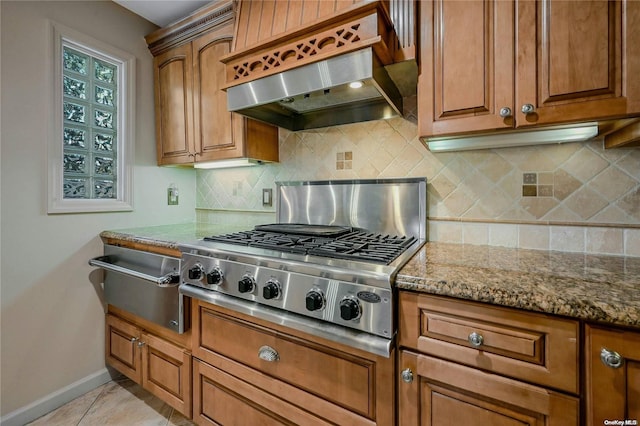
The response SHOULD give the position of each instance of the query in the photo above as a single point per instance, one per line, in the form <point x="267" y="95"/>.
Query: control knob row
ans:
<point x="350" y="308"/>
<point x="271" y="289"/>
<point x="197" y="272"/>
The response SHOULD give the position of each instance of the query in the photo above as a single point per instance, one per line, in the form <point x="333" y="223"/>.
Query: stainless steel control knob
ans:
<point x="246" y="284"/>
<point x="195" y="272"/>
<point x="314" y="300"/>
<point x="215" y="276"/>
<point x="350" y="309"/>
<point x="271" y="290"/>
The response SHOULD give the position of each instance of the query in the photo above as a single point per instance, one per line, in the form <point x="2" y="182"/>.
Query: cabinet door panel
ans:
<point x="444" y="393"/>
<point x="612" y="393"/>
<point x="468" y="70"/>
<point x="217" y="133"/>
<point x="174" y="105"/>
<point x="570" y="61"/>
<point x="121" y="347"/>
<point x="581" y="57"/>
<point x="166" y="372"/>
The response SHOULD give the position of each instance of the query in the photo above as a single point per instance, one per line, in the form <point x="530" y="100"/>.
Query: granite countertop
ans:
<point x="589" y="287"/>
<point x="169" y="236"/>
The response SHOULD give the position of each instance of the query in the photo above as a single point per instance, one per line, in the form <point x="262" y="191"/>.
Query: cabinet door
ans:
<point x="219" y="133"/>
<point x="173" y="82"/>
<point x="121" y="347"/>
<point x="576" y="60"/>
<point x="467" y="66"/>
<point x="166" y="372"/>
<point x="612" y="393"/>
<point x="443" y="393"/>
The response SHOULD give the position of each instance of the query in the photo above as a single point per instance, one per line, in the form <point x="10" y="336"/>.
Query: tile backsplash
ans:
<point x="508" y="191"/>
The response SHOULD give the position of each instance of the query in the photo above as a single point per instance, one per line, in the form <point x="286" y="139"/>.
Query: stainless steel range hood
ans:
<point x="318" y="94"/>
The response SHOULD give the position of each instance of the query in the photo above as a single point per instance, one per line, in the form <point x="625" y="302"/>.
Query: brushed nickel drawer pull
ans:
<point x="611" y="358"/>
<point x="475" y="339"/>
<point x="505" y="112"/>
<point x="267" y="353"/>
<point x="527" y="108"/>
<point x="407" y="375"/>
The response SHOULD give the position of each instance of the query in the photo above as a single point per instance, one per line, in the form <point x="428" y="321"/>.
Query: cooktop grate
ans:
<point x="354" y="245"/>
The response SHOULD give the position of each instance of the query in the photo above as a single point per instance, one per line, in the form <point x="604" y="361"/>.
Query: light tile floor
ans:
<point x="120" y="402"/>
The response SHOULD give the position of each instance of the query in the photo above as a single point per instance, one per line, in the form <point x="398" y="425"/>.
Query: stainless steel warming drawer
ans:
<point x="143" y="283"/>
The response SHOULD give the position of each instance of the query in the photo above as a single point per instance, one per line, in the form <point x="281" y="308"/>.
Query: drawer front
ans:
<point x="222" y="399"/>
<point x="333" y="376"/>
<point x="527" y="346"/>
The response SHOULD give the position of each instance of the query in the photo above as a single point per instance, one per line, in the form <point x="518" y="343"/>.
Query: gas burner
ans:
<point x="318" y="240"/>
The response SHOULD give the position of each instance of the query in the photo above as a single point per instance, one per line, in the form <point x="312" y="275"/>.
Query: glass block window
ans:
<point x="91" y="150"/>
<point x="90" y="88"/>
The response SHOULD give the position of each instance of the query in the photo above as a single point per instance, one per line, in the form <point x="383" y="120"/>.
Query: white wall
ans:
<point x="52" y="314"/>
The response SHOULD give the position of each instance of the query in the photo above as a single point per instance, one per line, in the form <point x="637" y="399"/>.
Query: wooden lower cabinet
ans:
<point x="476" y="364"/>
<point x="249" y="371"/>
<point x="158" y="365"/>
<point x="613" y="383"/>
<point x="439" y="393"/>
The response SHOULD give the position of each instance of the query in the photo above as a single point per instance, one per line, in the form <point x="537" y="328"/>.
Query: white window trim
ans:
<point x="125" y="124"/>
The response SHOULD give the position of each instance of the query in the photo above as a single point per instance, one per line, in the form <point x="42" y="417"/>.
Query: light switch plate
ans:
<point x="267" y="197"/>
<point x="172" y="196"/>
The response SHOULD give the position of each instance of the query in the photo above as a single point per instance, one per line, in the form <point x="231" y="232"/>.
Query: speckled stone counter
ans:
<point x="589" y="287"/>
<point x="596" y="288"/>
<point x="169" y="236"/>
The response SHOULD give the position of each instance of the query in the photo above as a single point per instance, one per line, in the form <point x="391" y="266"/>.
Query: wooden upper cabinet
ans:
<point x="565" y="61"/>
<point x="470" y="77"/>
<point x="192" y="120"/>
<point x="174" y="105"/>
<point x="573" y="60"/>
<point x="214" y="125"/>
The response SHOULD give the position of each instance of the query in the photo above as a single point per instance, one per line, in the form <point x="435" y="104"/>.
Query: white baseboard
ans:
<point x="55" y="399"/>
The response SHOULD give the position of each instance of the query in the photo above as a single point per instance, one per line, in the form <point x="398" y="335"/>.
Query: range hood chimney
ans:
<point x="304" y="79"/>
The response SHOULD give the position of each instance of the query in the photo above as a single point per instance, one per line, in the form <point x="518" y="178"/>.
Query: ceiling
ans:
<point x="162" y="12"/>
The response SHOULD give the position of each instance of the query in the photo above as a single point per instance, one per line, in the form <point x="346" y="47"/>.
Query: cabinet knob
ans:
<point x="267" y="353"/>
<point x="505" y="112"/>
<point x="141" y="344"/>
<point x="133" y="339"/>
<point x="528" y="108"/>
<point x="611" y="358"/>
<point x="407" y="375"/>
<point x="475" y="339"/>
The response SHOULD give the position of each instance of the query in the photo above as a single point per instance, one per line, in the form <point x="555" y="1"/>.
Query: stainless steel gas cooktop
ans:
<point x="327" y="266"/>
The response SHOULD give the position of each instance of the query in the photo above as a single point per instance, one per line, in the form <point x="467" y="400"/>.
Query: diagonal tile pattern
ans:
<point x="119" y="402"/>
<point x="583" y="183"/>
